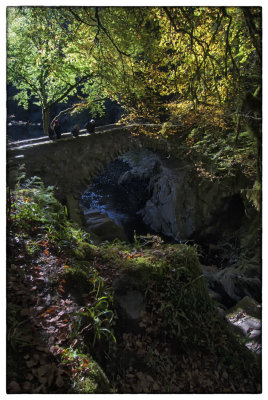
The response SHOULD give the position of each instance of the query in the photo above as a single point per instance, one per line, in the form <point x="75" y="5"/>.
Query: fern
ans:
<point x="254" y="195"/>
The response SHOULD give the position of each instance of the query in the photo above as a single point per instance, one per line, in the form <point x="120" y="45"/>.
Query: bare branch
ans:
<point x="78" y="18"/>
<point x="66" y="111"/>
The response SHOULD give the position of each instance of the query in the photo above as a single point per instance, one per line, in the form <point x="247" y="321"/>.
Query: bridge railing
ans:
<point x="23" y="144"/>
<point x="45" y="139"/>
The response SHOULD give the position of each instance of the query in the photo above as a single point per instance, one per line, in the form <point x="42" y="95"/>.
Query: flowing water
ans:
<point x="120" y="201"/>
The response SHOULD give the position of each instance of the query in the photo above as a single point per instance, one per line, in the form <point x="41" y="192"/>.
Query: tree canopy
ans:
<point x="43" y="60"/>
<point x="185" y="65"/>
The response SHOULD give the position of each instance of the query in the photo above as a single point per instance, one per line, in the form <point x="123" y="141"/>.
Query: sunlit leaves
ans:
<point x="152" y="60"/>
<point x="43" y="61"/>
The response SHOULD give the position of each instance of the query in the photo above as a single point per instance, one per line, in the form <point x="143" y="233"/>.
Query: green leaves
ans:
<point x="190" y="66"/>
<point x="42" y="59"/>
<point x="100" y="319"/>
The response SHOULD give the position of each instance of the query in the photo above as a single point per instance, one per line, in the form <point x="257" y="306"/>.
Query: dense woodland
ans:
<point x="196" y="68"/>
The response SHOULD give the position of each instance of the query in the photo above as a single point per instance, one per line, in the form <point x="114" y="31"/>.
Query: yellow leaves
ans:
<point x="185" y="113"/>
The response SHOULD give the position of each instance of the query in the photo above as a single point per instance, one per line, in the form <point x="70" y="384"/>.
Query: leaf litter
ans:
<point x="45" y="315"/>
<point x="41" y="321"/>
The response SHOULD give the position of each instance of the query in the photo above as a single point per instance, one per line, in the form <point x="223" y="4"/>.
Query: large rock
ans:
<point x="184" y="206"/>
<point x="245" y="319"/>
<point x="132" y="303"/>
<point x="129" y="301"/>
<point x="167" y="187"/>
<point x="166" y="203"/>
<point x="102" y="226"/>
<point x="249" y="306"/>
<point x="244" y="277"/>
<point x="233" y="285"/>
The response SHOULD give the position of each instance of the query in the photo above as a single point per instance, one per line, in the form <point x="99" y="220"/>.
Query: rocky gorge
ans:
<point x="168" y="198"/>
<point x="172" y="256"/>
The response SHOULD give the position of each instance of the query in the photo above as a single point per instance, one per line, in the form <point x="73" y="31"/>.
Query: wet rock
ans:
<point x="245" y="320"/>
<point x="104" y="227"/>
<point x="247" y="325"/>
<point x="249" y="306"/>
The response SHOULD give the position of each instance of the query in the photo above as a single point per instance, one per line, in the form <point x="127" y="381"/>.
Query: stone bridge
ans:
<point x="69" y="164"/>
<point x="212" y="211"/>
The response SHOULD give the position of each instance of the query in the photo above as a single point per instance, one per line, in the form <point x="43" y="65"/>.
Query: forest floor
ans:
<point x="53" y="309"/>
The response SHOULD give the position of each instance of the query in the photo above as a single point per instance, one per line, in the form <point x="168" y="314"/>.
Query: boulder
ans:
<point x="132" y="303"/>
<point x="167" y="211"/>
<point x="233" y="285"/>
<point x="245" y="320"/>
<point x="249" y="306"/>
<point x="129" y="299"/>
<point x="101" y="225"/>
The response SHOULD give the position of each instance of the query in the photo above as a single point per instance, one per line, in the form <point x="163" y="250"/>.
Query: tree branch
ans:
<point x="78" y="18"/>
<point x="107" y="33"/>
<point x="228" y="47"/>
<point x="65" y="94"/>
<point x="181" y="30"/>
<point x="67" y="110"/>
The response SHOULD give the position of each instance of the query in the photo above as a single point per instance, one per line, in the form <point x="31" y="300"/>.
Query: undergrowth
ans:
<point x="178" y="316"/>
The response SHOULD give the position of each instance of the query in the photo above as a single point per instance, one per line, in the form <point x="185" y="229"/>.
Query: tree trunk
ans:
<point x="46" y="120"/>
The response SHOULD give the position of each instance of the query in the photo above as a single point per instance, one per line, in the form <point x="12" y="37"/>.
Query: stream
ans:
<point x="120" y="202"/>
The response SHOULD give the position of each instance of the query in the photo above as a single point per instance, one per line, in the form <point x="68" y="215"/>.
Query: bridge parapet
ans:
<point x="20" y="144"/>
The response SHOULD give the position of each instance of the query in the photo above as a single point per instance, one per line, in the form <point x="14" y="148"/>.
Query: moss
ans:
<point x="94" y="382"/>
<point x="246" y="305"/>
<point x="77" y="279"/>
<point x="139" y="274"/>
<point x="83" y="250"/>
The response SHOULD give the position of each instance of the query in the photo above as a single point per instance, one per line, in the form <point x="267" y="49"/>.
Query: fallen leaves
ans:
<point x="42" y="373"/>
<point x="48" y="311"/>
<point x="48" y="360"/>
<point x="37" y="321"/>
<point x="60" y="287"/>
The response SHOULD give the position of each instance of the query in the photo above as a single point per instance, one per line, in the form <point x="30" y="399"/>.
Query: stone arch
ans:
<point x="70" y="164"/>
